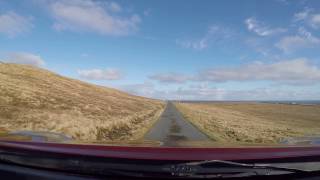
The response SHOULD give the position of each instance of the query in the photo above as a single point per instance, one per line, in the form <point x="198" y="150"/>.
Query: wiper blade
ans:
<point x="194" y="169"/>
<point x="218" y="168"/>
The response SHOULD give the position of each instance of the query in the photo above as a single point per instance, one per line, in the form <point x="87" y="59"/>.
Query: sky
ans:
<point x="191" y="50"/>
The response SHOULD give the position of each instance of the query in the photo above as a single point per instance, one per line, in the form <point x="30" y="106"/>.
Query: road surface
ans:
<point x="172" y="128"/>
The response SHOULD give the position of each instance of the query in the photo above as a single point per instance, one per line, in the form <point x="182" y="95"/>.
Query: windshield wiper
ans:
<point x="135" y="168"/>
<point x="218" y="168"/>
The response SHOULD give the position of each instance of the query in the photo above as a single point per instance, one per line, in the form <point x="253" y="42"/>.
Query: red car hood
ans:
<point x="166" y="153"/>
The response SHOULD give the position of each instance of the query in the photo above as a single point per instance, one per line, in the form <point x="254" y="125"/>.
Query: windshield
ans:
<point x="161" y="73"/>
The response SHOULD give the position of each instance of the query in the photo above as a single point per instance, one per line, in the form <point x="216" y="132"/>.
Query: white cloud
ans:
<point x="270" y="94"/>
<point x="98" y="74"/>
<point x="285" y="2"/>
<point x="218" y="94"/>
<point x="115" y="7"/>
<point x="193" y="44"/>
<point x="25" y="58"/>
<point x="146" y="89"/>
<point x="260" y="45"/>
<point x="261" y="29"/>
<point x="214" y="34"/>
<point x="296" y="71"/>
<point x="300" y="16"/>
<point x="304" y="39"/>
<point x="309" y="17"/>
<point x="290" y="72"/>
<point x="93" y="16"/>
<point x="292" y="43"/>
<point x="12" y="24"/>
<point x="203" y="91"/>
<point x="169" y="77"/>
<point x="315" y="21"/>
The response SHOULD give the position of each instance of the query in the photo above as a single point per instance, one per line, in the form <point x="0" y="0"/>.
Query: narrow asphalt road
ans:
<point x="172" y="128"/>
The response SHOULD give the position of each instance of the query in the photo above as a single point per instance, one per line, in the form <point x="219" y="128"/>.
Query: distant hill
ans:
<point x="36" y="99"/>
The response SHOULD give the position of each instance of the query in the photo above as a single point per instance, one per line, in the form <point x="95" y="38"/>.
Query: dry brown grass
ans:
<point x="252" y="122"/>
<point x="38" y="100"/>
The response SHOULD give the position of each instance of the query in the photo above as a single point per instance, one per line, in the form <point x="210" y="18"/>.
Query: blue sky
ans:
<point x="204" y="50"/>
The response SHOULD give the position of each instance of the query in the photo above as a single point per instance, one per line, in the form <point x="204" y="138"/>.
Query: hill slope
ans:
<point x="36" y="99"/>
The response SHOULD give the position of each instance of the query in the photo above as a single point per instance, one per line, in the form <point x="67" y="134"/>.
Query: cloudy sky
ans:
<point x="204" y="50"/>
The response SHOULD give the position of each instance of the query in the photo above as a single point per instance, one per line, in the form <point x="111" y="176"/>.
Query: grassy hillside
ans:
<point x="252" y="122"/>
<point x="36" y="99"/>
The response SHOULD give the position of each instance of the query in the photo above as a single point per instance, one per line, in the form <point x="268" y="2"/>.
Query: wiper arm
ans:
<point x="218" y="168"/>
